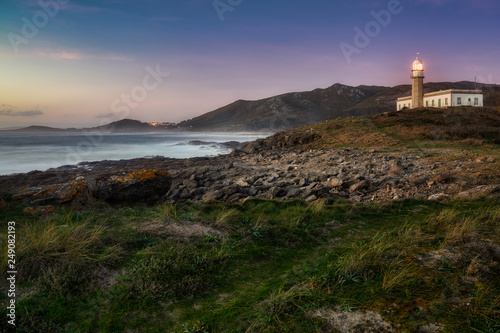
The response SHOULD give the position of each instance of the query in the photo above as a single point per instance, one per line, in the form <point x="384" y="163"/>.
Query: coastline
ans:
<point x="357" y="174"/>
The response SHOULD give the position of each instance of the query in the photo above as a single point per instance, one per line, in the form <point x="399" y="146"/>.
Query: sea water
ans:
<point x="24" y="152"/>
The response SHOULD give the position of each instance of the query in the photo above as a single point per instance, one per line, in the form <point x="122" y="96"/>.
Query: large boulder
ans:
<point x="139" y="186"/>
<point x="56" y="193"/>
<point x="479" y="191"/>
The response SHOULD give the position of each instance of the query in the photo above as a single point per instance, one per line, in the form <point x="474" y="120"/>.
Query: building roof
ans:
<point x="417" y="61"/>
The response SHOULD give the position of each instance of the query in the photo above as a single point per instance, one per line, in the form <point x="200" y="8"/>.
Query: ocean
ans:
<point x="24" y="152"/>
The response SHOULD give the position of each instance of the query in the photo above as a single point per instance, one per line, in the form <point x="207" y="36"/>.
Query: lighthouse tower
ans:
<point x="417" y="79"/>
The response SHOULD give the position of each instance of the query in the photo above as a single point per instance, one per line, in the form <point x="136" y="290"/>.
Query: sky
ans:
<point x="75" y="63"/>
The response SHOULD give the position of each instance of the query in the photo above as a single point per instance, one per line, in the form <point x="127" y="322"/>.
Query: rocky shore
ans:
<point x="256" y="171"/>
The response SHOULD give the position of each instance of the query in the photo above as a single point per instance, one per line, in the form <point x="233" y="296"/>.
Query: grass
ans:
<point x="257" y="266"/>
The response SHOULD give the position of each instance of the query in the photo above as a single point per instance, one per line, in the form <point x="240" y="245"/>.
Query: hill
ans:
<point x="293" y="110"/>
<point x="121" y="126"/>
<point x="37" y="129"/>
<point x="284" y="111"/>
<point x="126" y="126"/>
<point x="407" y="128"/>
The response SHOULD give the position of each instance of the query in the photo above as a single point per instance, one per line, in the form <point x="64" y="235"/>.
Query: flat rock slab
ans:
<point x="137" y="186"/>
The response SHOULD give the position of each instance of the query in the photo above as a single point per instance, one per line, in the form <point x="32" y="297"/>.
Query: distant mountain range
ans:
<point x="121" y="126"/>
<point x="292" y="110"/>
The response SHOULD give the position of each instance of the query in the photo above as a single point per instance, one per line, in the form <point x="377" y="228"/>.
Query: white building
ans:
<point x="438" y="99"/>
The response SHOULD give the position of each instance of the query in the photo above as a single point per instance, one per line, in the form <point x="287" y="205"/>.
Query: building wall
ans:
<point x="445" y="100"/>
<point x="438" y="101"/>
<point x="403" y="104"/>
<point x="475" y="99"/>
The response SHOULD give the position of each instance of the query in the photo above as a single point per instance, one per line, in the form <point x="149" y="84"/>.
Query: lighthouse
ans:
<point x="417" y="83"/>
<point x="437" y="99"/>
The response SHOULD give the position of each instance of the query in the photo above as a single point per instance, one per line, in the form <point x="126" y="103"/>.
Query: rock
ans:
<point x="311" y="198"/>
<point x="140" y="186"/>
<point x="253" y="146"/>
<point x="58" y="193"/>
<point x="242" y="183"/>
<point x="212" y="196"/>
<point x="252" y="191"/>
<point x="362" y="185"/>
<point x="418" y="179"/>
<point x="335" y="182"/>
<point x="303" y="182"/>
<point x="438" y="197"/>
<point x="277" y="192"/>
<point x="236" y="197"/>
<point x="173" y="195"/>
<point x="190" y="183"/>
<point x="396" y="168"/>
<point x="230" y="190"/>
<point x="293" y="192"/>
<point x="389" y="180"/>
<point x="356" y="198"/>
<point x="440" y="178"/>
<point x="323" y="191"/>
<point x="479" y="191"/>
<point x="39" y="209"/>
<point x="145" y="186"/>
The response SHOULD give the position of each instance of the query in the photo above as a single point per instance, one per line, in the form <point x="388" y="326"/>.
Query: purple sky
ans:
<point x="79" y="63"/>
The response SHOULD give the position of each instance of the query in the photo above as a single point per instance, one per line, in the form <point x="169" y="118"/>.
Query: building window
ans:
<point x="426" y="103"/>
<point x="459" y="100"/>
<point x="476" y="101"/>
<point x="469" y="102"/>
<point x="446" y="101"/>
<point x="439" y="102"/>
<point x="433" y="102"/>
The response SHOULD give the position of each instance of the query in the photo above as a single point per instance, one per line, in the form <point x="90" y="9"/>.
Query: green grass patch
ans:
<point x="256" y="266"/>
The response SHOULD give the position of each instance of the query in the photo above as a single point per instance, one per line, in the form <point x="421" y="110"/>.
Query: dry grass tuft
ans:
<point x="462" y="232"/>
<point x="226" y="218"/>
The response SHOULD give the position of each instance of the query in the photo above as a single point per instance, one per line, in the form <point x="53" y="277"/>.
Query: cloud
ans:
<point x="26" y="113"/>
<point x="76" y="55"/>
<point x="105" y="115"/>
